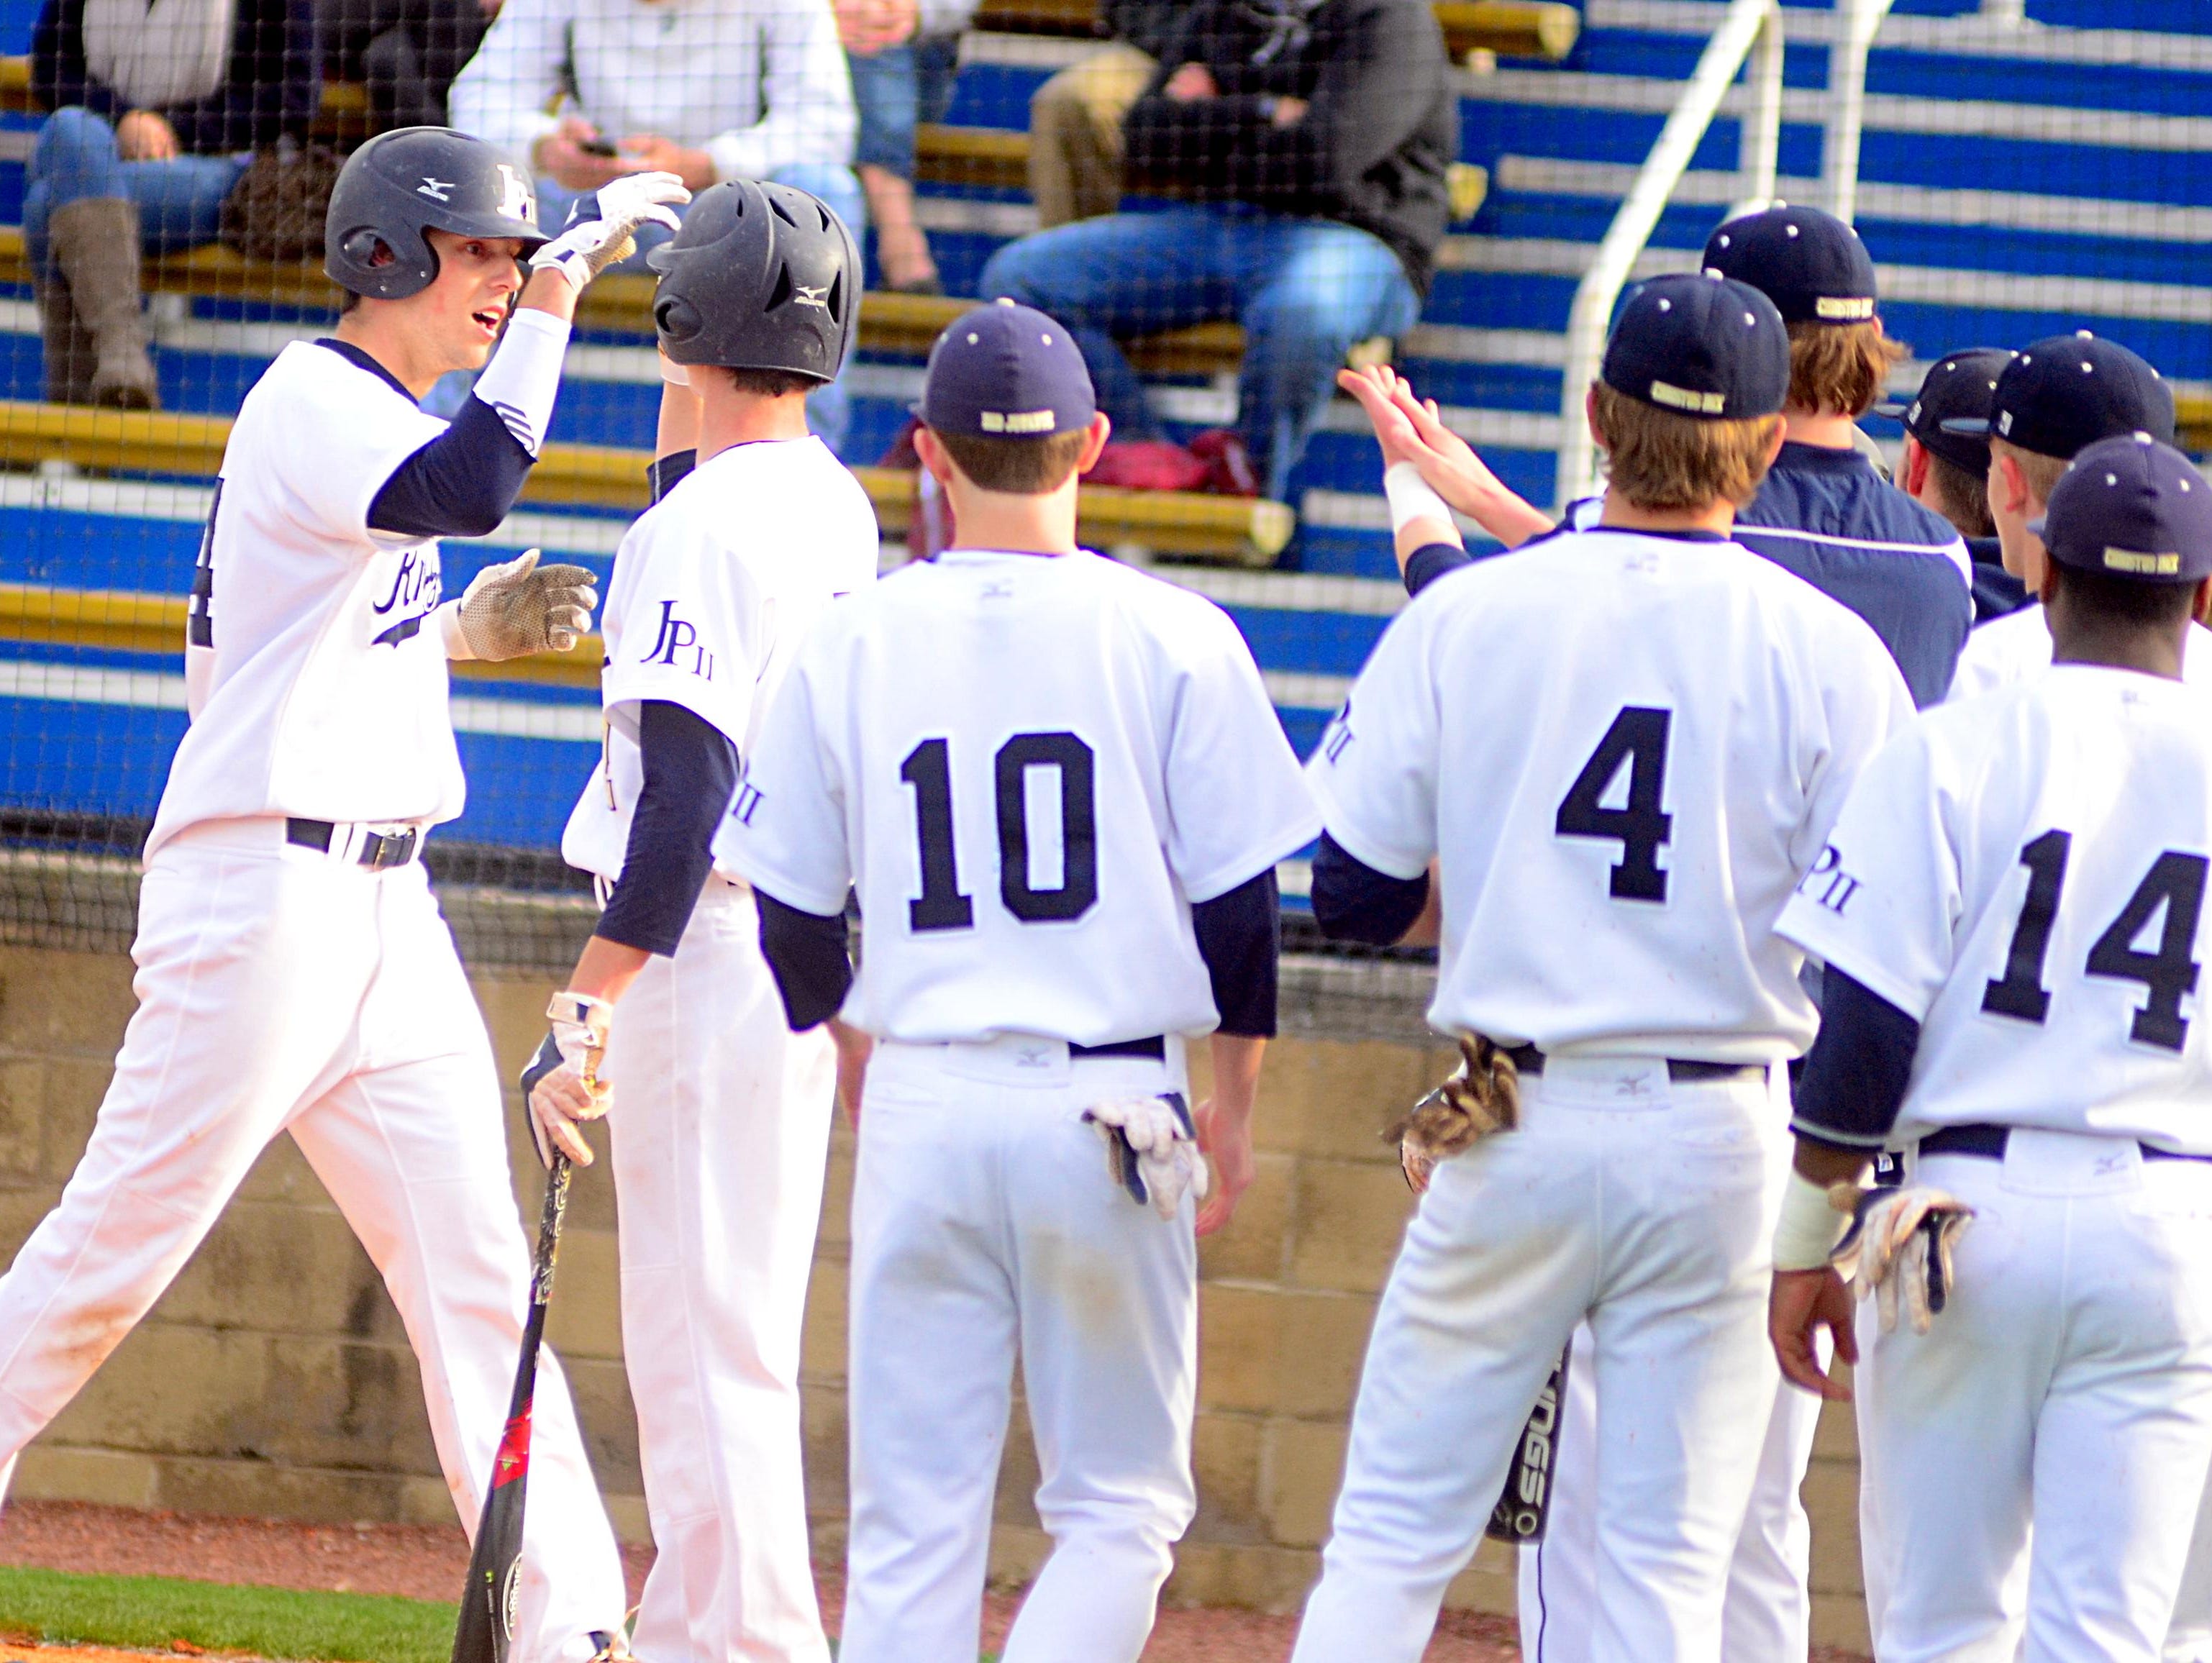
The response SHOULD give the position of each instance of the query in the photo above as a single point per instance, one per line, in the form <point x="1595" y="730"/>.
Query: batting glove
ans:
<point x="561" y="1084"/>
<point x="1482" y="1099"/>
<point x="517" y="608"/>
<point x="1151" y="1149"/>
<point x="1903" y="1238"/>
<point x="585" y="250"/>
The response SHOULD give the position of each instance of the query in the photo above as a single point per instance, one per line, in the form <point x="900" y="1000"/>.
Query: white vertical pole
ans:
<point x="2005" y="11"/>
<point x="1840" y="147"/>
<point x="1759" y="152"/>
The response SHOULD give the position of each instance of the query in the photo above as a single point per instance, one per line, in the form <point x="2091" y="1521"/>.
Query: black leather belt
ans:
<point x="379" y="851"/>
<point x="1154" y="1045"/>
<point x="1682" y="1070"/>
<point x="1988" y="1143"/>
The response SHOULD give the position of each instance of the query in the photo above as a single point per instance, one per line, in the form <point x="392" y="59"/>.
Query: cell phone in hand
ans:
<point x="598" y="147"/>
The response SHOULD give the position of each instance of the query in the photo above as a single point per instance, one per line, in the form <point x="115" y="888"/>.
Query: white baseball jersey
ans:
<point x="714" y="589"/>
<point x="2018" y="645"/>
<point x="1618" y="837"/>
<point x="2024" y="876"/>
<point x="314" y="688"/>
<point x="1030" y="767"/>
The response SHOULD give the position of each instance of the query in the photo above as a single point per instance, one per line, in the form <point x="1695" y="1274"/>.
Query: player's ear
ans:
<point x="2007" y="482"/>
<point x="1590" y="414"/>
<point x="2200" y="608"/>
<point x="1916" y="467"/>
<point x="933" y="455"/>
<point x="1094" y="442"/>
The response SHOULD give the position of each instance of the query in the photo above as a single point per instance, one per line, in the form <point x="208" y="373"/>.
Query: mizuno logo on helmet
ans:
<point x="437" y="190"/>
<point x="814" y="297"/>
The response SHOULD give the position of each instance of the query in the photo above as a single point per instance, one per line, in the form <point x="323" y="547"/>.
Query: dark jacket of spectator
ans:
<point x="268" y="90"/>
<point x="1147" y="25"/>
<point x="1371" y="149"/>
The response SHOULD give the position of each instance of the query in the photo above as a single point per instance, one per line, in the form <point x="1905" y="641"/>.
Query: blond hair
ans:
<point x="1840" y="368"/>
<point x="1662" y="461"/>
<point x="2042" y="472"/>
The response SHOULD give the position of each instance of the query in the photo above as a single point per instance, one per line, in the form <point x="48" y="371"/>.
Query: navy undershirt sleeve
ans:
<point x="1352" y="901"/>
<point x="809" y="957"/>
<point x="691" y="770"/>
<point x="1430" y="561"/>
<point x="459" y="484"/>
<point x="664" y="473"/>
<point x="1860" y="1066"/>
<point x="1240" y="938"/>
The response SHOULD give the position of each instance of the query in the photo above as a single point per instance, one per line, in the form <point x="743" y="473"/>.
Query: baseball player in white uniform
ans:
<point x="1060" y="791"/>
<point x="721" y="1116"/>
<point x="1623" y="744"/>
<point x="2054" y="397"/>
<point x="294" y="973"/>
<point x="2010" y="912"/>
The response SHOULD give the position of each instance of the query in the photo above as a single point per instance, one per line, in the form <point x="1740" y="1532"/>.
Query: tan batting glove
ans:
<point x="561" y="1084"/>
<point x="517" y="608"/>
<point x="583" y="252"/>
<point x="1481" y="1099"/>
<point x="1903" y="1239"/>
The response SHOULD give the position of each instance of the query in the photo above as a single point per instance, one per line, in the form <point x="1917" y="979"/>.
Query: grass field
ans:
<point x="152" y="1611"/>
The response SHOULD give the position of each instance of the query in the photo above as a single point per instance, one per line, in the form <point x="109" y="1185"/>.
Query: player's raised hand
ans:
<point x="562" y="1085"/>
<point x="517" y="608"/>
<point x="1412" y="429"/>
<point x="589" y="247"/>
<point x="1801" y="1304"/>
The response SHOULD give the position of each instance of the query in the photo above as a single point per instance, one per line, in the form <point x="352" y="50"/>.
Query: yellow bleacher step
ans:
<point x="1519" y="28"/>
<point x="603" y="476"/>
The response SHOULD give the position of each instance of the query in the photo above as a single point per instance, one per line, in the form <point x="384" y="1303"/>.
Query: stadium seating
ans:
<point x="2016" y="183"/>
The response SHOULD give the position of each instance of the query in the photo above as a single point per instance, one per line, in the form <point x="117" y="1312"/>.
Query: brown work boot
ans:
<point x="67" y="344"/>
<point x="96" y="244"/>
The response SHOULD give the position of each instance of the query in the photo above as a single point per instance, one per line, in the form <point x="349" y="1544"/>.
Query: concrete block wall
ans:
<point x="274" y="1378"/>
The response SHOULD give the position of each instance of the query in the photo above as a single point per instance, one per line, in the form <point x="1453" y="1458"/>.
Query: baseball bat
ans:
<point x="1525" y="1506"/>
<point x="486" y="1630"/>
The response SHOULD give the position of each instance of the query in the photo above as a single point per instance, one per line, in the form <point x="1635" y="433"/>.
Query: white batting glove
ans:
<point x="561" y="1083"/>
<point x="582" y="252"/>
<point x="1903" y="1238"/>
<point x="1151" y="1149"/>
<point x="517" y="608"/>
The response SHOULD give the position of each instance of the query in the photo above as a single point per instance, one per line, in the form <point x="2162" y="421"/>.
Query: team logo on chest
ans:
<point x="676" y="645"/>
<point x="416" y="588"/>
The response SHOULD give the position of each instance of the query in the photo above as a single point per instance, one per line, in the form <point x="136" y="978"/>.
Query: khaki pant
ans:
<point x="1075" y="134"/>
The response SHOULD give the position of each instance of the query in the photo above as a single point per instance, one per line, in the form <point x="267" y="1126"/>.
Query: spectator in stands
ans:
<point x="733" y="89"/>
<point x="903" y="56"/>
<point x="152" y="105"/>
<point x="1312" y="137"/>
<point x="1075" y="118"/>
<point x="1949" y="471"/>
<point x="406" y="51"/>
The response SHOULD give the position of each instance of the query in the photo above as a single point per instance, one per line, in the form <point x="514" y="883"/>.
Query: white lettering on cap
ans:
<point x="1681" y="399"/>
<point x="2156" y="566"/>
<point x="1844" y="305"/>
<point x="1020" y="420"/>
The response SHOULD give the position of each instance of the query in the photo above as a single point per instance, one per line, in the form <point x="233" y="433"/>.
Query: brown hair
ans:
<point x="2128" y="601"/>
<point x="1660" y="460"/>
<point x="1962" y="497"/>
<point x="764" y="383"/>
<point x="1018" y="467"/>
<point x="1840" y="368"/>
<point x="2042" y="472"/>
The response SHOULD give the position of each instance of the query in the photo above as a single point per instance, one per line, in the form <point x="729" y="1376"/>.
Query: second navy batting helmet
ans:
<point x="762" y="277"/>
<point x="403" y="183"/>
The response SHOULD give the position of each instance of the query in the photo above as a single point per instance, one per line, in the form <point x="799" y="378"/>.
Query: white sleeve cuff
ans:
<point x="525" y="375"/>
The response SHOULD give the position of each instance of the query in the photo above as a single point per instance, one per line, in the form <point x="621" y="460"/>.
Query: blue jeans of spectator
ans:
<point x="1306" y="291"/>
<point x="896" y="89"/>
<point x="75" y="160"/>
<point x="828" y="412"/>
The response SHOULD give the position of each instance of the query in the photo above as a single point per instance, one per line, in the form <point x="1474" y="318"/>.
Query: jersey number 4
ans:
<point x="1636" y="741"/>
<point x="941" y="906"/>
<point x="2174" y="884"/>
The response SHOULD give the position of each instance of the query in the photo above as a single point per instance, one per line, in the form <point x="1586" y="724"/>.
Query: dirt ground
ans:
<point x="427" y="1561"/>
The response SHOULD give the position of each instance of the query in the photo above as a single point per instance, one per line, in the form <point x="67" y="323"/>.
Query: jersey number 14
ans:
<point x="2175" y="884"/>
<point x="941" y="906"/>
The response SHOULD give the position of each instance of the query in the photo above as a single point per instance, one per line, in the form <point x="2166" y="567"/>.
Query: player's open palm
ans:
<point x="1225" y="1138"/>
<point x="1412" y="429"/>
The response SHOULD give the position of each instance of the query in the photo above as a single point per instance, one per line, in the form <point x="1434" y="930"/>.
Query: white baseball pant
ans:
<point x="282" y="989"/>
<point x="720" y="1129"/>
<point x="2068" y="1386"/>
<point x="2188" y="1636"/>
<point x="985" y="1221"/>
<point x="1644" y="1206"/>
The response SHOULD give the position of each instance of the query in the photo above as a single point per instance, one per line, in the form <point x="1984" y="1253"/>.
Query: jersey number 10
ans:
<point x="941" y="906"/>
<point x="2175" y="882"/>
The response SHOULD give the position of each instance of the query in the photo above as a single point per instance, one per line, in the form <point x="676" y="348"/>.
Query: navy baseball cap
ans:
<point x="2130" y="507"/>
<point x="1959" y="385"/>
<point x="1700" y="346"/>
<point x="2066" y="392"/>
<point x="1006" y="372"/>
<point x="1810" y="264"/>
